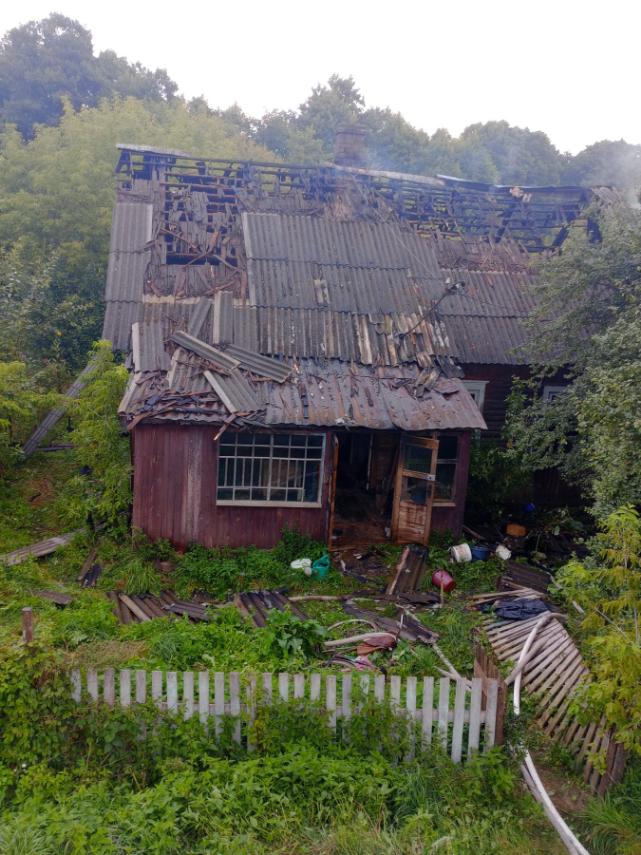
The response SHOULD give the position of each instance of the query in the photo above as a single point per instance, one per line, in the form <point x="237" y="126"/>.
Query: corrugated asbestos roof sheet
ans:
<point x="371" y="340"/>
<point x="486" y="341"/>
<point x="236" y="392"/>
<point x="343" y="243"/>
<point x="129" y="256"/>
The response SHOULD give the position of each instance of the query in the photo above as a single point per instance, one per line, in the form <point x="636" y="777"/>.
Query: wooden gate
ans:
<point x="414" y="489"/>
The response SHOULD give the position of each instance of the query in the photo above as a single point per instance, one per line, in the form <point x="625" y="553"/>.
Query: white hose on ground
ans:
<point x="528" y="769"/>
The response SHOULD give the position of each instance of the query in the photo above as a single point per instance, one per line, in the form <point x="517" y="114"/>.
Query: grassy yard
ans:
<point x="100" y="792"/>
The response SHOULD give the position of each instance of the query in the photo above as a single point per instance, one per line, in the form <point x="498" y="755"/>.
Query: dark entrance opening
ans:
<point x="356" y="518"/>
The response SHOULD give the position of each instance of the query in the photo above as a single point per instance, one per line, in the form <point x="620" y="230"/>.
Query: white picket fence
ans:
<point x="461" y="728"/>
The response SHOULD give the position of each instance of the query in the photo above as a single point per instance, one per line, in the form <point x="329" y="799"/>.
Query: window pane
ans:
<point x="447" y="447"/>
<point x="445" y="473"/>
<point x="415" y="490"/>
<point x="312" y="480"/>
<point x="417" y="458"/>
<point x="265" y="467"/>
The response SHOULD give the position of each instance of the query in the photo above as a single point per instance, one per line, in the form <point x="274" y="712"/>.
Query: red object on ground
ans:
<point x="442" y="579"/>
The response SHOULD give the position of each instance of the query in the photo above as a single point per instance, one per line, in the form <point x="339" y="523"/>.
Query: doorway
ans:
<point x="356" y="519"/>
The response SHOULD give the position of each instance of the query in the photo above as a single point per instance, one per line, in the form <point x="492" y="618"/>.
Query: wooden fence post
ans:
<point x="27" y="625"/>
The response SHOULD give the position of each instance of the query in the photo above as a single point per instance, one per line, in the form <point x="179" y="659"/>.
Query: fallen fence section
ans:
<point x="40" y="549"/>
<point x="53" y="417"/>
<point x="461" y="728"/>
<point x="551" y="673"/>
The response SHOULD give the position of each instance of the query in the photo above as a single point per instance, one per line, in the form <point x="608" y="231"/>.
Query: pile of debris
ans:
<point x="256" y="605"/>
<point x="138" y="608"/>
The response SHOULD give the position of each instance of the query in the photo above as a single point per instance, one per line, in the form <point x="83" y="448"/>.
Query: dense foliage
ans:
<point x="43" y="63"/>
<point x="608" y="588"/>
<point x="589" y="320"/>
<point x="102" y="488"/>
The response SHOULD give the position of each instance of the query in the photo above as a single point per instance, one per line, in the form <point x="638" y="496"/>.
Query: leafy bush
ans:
<point x="288" y="635"/>
<point x="87" y="618"/>
<point x="105" y="490"/>
<point x="224" y="571"/>
<point x="608" y="588"/>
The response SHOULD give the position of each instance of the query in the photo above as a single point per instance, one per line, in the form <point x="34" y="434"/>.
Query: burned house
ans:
<point x="314" y="345"/>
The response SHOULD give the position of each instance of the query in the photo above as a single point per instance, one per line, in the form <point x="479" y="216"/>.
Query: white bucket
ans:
<point x="461" y="553"/>
<point x="502" y="552"/>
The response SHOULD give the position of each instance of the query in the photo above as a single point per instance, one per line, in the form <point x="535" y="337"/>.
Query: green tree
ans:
<point x="330" y="105"/>
<point x="20" y="405"/>
<point x="519" y="156"/>
<point x="588" y="322"/>
<point x="104" y="490"/>
<point x="56" y="198"/>
<point x="608" y="589"/>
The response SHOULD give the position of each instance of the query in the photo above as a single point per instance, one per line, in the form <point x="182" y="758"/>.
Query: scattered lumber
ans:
<point x="517" y="575"/>
<point x="406" y="627"/>
<point x="409" y="572"/>
<point x="90" y="577"/>
<point x="139" y="608"/>
<point x="551" y="669"/>
<point x="39" y="549"/>
<point x="56" y="597"/>
<point x="256" y="605"/>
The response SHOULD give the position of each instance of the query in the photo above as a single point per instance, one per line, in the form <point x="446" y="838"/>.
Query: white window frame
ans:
<point x="551" y="392"/>
<point x="268" y="503"/>
<point x="476" y="388"/>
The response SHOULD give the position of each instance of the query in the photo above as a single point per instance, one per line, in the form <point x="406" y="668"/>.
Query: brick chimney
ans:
<point x="350" y="145"/>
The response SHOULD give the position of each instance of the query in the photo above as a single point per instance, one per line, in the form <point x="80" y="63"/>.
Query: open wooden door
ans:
<point x="332" y="489"/>
<point x="414" y="489"/>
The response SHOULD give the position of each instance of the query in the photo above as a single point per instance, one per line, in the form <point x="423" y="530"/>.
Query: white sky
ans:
<point x="567" y="67"/>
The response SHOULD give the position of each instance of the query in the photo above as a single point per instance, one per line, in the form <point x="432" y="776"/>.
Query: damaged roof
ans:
<point x="318" y="296"/>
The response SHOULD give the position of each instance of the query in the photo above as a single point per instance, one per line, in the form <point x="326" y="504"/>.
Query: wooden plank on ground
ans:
<point x="39" y="549"/>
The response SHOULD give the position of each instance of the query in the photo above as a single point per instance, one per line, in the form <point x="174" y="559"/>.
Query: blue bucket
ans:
<point x="480" y="553"/>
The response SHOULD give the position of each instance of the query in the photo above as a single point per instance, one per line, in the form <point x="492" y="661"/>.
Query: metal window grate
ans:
<point x="261" y="468"/>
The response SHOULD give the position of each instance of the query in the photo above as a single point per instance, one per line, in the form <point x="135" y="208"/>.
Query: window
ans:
<point x="446" y="469"/>
<point x="476" y="388"/>
<point x="263" y="468"/>
<point x="552" y="392"/>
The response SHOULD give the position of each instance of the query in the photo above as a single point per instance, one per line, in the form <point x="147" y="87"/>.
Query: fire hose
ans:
<point x="528" y="769"/>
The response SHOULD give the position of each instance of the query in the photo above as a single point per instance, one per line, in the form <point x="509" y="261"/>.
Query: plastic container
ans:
<point x="516" y="530"/>
<point x="303" y="564"/>
<point x="442" y="579"/>
<point x="480" y="553"/>
<point x="461" y="553"/>
<point x="502" y="552"/>
<point x="320" y="567"/>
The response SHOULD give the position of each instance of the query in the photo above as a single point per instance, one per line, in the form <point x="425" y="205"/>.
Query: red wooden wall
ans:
<point x="174" y="472"/>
